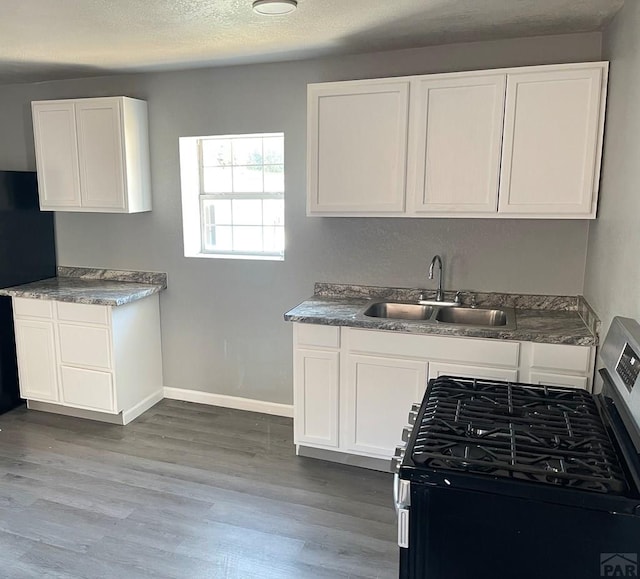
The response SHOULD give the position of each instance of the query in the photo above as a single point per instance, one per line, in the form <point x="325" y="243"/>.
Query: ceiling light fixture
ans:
<point x="274" y="7"/>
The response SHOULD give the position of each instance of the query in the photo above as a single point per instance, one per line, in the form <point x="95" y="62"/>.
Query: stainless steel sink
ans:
<point x="474" y="316"/>
<point x="503" y="318"/>
<point x="399" y="311"/>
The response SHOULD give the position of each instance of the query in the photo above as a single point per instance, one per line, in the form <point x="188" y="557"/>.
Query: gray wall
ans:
<point x="612" y="281"/>
<point x="222" y="325"/>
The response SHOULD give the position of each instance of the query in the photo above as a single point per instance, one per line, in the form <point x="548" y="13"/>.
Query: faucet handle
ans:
<point x="457" y="297"/>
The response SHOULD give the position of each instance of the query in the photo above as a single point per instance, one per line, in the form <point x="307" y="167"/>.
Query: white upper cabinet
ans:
<point x="357" y="146"/>
<point x="552" y="142"/>
<point x="507" y="143"/>
<point x="54" y="127"/>
<point x="93" y="155"/>
<point x="456" y="126"/>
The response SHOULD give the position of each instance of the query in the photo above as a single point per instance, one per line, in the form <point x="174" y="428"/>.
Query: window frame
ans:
<point x="191" y="156"/>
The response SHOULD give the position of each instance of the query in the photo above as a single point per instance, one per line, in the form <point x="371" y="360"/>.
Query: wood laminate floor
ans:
<point x="185" y="491"/>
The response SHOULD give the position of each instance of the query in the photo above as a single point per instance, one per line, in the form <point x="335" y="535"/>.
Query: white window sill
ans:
<point x="238" y="256"/>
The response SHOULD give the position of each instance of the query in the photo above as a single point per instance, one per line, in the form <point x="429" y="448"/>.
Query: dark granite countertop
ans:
<point x="564" y="325"/>
<point x="92" y="286"/>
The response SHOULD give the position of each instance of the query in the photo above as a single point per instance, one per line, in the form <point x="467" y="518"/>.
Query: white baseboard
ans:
<point x="229" y="401"/>
<point x="142" y="406"/>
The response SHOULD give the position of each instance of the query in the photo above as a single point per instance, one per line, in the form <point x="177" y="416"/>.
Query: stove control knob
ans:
<point x="394" y="467"/>
<point x="412" y="417"/>
<point x="398" y="457"/>
<point x="406" y="433"/>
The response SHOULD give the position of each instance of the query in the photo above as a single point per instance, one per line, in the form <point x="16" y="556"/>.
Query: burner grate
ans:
<point x="545" y="434"/>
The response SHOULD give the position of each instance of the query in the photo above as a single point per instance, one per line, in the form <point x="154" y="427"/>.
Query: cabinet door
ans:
<point x="101" y="150"/>
<point x="85" y="346"/>
<point x="437" y="369"/>
<point x="87" y="389"/>
<point x="54" y="129"/>
<point x="378" y="397"/>
<point x="552" y="143"/>
<point x="357" y="147"/>
<point x="37" y="367"/>
<point x="316" y="379"/>
<point x="456" y="139"/>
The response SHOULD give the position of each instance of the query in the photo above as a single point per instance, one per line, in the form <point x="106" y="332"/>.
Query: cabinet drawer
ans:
<point x="33" y="308"/>
<point x="85" y="346"/>
<point x="470" y="351"/>
<point x="561" y="357"/>
<point x="314" y="335"/>
<point x="86" y="313"/>
<point x="87" y="389"/>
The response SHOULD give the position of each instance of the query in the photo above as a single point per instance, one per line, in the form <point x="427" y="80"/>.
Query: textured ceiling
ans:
<point x="46" y="39"/>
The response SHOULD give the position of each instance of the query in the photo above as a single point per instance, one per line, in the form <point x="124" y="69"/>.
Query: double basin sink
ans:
<point x="453" y="315"/>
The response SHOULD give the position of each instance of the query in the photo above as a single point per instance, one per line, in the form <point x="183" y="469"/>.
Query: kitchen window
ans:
<point x="233" y="196"/>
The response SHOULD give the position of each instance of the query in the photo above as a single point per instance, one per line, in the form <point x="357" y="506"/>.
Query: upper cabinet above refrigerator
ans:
<point x="92" y="155"/>
<point x="507" y="143"/>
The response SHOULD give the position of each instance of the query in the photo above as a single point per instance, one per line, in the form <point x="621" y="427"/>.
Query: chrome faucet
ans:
<point x="437" y="260"/>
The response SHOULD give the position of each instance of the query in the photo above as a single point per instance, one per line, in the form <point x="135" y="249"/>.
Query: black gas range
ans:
<point x="510" y="480"/>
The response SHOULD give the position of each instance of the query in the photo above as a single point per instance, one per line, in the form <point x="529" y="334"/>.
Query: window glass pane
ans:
<point x="274" y="178"/>
<point x="219" y="238"/>
<point x="247" y="238"/>
<point x="209" y="240"/>
<point x="217" y="180"/>
<point x="247" y="179"/>
<point x="217" y="212"/>
<point x="274" y="239"/>
<point x="216" y="152"/>
<point x="247" y="212"/>
<point x="273" y="212"/>
<point x="208" y="213"/>
<point x="247" y="151"/>
<point x="273" y="150"/>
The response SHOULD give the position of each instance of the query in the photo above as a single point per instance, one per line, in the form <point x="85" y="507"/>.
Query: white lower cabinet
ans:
<point x="379" y="392"/>
<point x="353" y="388"/>
<point x="87" y="389"/>
<point x="92" y="358"/>
<point x="36" y="350"/>
<point x="316" y="396"/>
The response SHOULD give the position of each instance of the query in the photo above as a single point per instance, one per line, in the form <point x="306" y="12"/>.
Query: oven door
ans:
<point x="402" y="502"/>
<point x="458" y="533"/>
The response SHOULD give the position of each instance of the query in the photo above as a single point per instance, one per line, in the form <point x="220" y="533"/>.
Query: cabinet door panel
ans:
<point x="551" y="142"/>
<point x="437" y="369"/>
<point x="357" y="147"/>
<point x="457" y="138"/>
<point x="316" y="377"/>
<point x="87" y="389"/>
<point x="37" y="365"/>
<point x="101" y="157"/>
<point x="379" y="395"/>
<point x="54" y="127"/>
<point x="85" y="346"/>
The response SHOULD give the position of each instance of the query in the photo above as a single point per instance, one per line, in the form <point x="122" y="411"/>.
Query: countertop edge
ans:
<point x="435" y="330"/>
<point x="120" y="300"/>
<point x="349" y="314"/>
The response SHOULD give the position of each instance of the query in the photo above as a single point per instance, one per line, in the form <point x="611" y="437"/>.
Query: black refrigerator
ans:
<point x="27" y="253"/>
